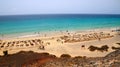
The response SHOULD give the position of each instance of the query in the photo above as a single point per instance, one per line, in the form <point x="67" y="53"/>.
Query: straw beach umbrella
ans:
<point x="27" y="44"/>
<point x="1" y="46"/>
<point x="42" y="47"/>
<point x="8" y="44"/>
<point x="31" y="44"/>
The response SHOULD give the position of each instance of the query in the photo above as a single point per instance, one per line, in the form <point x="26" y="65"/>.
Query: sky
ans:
<point x="16" y="7"/>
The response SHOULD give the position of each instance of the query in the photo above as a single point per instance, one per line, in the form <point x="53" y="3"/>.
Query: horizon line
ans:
<point x="60" y="14"/>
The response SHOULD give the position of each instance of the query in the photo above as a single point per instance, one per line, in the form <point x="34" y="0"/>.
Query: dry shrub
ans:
<point x="115" y="48"/>
<point x="77" y="57"/>
<point x="65" y="56"/>
<point x="92" y="48"/>
<point x="102" y="48"/>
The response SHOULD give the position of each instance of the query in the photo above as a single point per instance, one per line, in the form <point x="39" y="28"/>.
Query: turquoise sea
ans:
<point x="14" y="24"/>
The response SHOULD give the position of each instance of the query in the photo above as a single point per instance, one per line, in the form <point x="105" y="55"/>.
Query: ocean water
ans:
<point x="56" y="22"/>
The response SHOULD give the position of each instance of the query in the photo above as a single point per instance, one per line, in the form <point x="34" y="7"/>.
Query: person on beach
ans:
<point x="99" y="38"/>
<point x="83" y="47"/>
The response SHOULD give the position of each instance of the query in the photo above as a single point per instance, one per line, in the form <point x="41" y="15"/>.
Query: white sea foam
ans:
<point x="32" y="35"/>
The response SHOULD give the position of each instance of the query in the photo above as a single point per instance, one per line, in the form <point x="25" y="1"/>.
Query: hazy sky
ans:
<point x="13" y="7"/>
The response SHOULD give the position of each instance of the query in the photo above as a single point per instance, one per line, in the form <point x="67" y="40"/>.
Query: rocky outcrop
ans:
<point x="32" y="59"/>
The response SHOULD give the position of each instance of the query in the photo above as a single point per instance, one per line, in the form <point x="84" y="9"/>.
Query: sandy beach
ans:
<point x="75" y="43"/>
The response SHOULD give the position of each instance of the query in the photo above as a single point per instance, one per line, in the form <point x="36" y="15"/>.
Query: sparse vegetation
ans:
<point x="65" y="56"/>
<point x="115" y="48"/>
<point x="31" y="59"/>
<point x="102" y="48"/>
<point x="92" y="48"/>
<point x="5" y="53"/>
<point x="78" y="57"/>
<point x="118" y="43"/>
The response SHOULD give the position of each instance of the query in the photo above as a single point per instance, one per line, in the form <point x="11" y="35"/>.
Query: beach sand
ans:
<point x="52" y="46"/>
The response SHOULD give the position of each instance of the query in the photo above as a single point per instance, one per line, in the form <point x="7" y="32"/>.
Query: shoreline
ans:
<point x="51" y="33"/>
